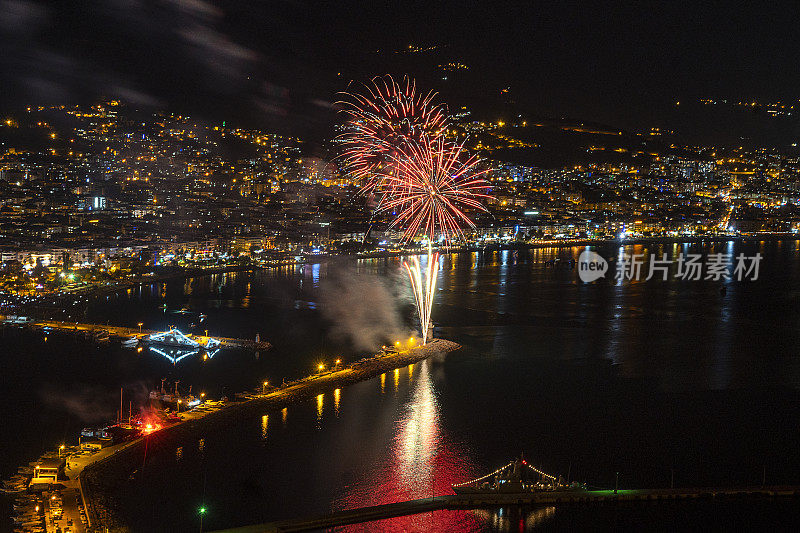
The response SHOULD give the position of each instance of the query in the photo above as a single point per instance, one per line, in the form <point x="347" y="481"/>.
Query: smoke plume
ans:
<point x="362" y="309"/>
<point x="88" y="404"/>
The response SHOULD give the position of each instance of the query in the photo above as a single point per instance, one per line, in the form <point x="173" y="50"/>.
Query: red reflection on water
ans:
<point x="423" y="460"/>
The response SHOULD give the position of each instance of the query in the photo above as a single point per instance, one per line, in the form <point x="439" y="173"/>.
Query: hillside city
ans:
<point x="91" y="195"/>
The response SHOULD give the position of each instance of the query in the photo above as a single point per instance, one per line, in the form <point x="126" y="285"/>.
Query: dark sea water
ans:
<point x="644" y="378"/>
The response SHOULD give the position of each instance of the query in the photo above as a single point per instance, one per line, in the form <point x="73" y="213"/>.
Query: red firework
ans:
<point x="383" y="120"/>
<point x="429" y="187"/>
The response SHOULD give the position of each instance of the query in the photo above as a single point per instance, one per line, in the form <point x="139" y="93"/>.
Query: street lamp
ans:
<point x="264" y="387"/>
<point x="321" y="367"/>
<point x="179" y="406"/>
<point x="60" y="449"/>
<point x="140" y="327"/>
<point x="201" y="512"/>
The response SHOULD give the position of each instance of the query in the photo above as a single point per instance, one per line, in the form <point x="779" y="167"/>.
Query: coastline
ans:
<point x="99" y="478"/>
<point x="40" y="310"/>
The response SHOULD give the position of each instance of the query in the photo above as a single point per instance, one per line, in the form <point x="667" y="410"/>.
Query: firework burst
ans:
<point x="387" y="117"/>
<point x="430" y="186"/>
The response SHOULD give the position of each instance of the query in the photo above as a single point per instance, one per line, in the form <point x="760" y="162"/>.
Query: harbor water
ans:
<point x="661" y="380"/>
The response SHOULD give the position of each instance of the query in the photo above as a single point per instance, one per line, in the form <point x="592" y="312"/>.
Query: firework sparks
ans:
<point x="386" y="118"/>
<point x="430" y="187"/>
<point x="423" y="289"/>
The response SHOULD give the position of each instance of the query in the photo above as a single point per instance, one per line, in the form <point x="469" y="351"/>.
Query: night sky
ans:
<point x="278" y="65"/>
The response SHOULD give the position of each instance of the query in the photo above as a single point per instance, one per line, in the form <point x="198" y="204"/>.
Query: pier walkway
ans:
<point x="475" y="501"/>
<point x="143" y="334"/>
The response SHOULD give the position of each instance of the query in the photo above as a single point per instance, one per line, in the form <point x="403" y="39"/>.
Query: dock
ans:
<point x="476" y="501"/>
<point x="143" y="334"/>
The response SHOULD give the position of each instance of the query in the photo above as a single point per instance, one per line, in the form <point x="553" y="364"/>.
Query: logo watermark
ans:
<point x="716" y="267"/>
<point x="591" y="266"/>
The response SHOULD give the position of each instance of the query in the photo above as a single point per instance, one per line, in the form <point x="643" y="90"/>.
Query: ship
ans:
<point x="516" y="477"/>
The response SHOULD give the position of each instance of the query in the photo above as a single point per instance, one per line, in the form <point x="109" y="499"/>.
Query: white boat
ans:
<point x="130" y="342"/>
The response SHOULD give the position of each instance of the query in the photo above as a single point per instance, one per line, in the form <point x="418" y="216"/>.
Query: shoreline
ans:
<point x="41" y="310"/>
<point x="99" y="478"/>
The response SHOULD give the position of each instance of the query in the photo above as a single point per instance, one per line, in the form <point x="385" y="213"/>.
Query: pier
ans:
<point x="142" y="334"/>
<point x="476" y="501"/>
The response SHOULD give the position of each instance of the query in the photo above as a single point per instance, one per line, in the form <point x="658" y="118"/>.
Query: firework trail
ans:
<point x="423" y="289"/>
<point x="429" y="187"/>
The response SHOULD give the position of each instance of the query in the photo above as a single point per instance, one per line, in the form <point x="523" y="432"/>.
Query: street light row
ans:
<point x="321" y="366"/>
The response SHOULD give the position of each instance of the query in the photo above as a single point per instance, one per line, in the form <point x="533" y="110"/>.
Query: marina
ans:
<point x="596" y="408"/>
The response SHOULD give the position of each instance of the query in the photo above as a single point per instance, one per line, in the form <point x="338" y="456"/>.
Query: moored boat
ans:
<point x="130" y="342"/>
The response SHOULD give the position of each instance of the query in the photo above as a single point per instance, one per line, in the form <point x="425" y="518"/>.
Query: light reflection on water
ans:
<point x="320" y="405"/>
<point x="514" y="519"/>
<point x="423" y="461"/>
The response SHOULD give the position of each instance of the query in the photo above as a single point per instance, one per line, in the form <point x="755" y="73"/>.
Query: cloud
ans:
<point x="19" y="17"/>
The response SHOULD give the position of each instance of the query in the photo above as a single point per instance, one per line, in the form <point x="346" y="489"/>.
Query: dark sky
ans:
<point x="276" y="64"/>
